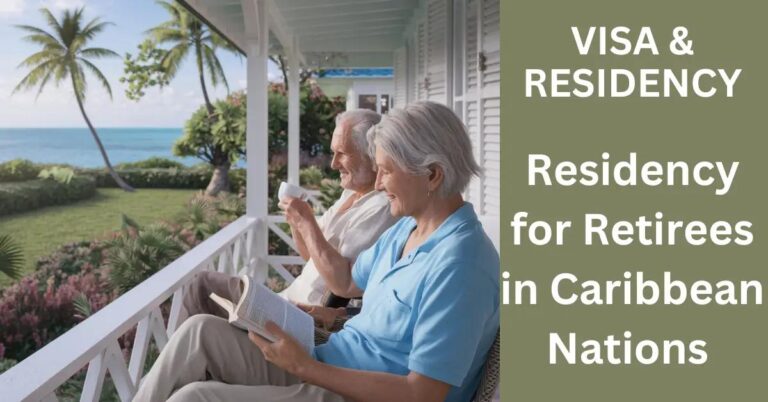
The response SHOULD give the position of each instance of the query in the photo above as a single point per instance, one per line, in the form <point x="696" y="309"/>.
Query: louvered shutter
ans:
<point x="420" y="40"/>
<point x="489" y="76"/>
<point x="437" y="51"/>
<point x="471" y="113"/>
<point x="482" y="100"/>
<point x="401" y="78"/>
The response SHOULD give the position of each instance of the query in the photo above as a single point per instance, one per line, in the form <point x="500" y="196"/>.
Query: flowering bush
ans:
<point x="34" y="312"/>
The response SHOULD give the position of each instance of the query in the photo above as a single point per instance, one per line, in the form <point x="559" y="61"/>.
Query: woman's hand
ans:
<point x="285" y="352"/>
<point x="324" y="316"/>
<point x="296" y="211"/>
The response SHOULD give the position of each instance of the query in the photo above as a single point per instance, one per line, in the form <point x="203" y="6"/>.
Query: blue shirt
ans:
<point x="434" y="311"/>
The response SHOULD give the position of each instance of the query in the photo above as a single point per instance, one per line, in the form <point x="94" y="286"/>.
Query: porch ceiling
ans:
<point x="361" y="30"/>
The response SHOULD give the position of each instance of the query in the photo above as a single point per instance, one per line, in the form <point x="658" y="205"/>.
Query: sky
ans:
<point x="56" y="107"/>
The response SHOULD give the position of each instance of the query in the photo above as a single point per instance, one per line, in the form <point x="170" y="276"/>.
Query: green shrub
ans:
<point x="34" y="194"/>
<point x="137" y="253"/>
<point x="311" y="177"/>
<point x="151" y="163"/>
<point x="167" y="178"/>
<point x="18" y="170"/>
<point x="330" y="191"/>
<point x="60" y="174"/>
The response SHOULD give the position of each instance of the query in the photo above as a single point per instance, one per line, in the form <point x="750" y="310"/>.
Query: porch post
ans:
<point x="293" y="115"/>
<point x="257" y="46"/>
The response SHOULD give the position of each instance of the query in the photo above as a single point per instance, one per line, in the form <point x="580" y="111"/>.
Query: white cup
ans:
<point x="290" y="190"/>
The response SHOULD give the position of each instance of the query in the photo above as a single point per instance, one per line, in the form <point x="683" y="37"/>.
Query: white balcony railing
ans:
<point x="95" y="341"/>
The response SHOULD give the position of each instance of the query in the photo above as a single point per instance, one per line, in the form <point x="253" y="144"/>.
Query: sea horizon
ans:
<point x="75" y="145"/>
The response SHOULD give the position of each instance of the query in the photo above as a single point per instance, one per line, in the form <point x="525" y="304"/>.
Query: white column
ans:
<point x="293" y="116"/>
<point x="257" y="46"/>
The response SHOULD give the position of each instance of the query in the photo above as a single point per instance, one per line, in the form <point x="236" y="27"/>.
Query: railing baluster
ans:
<point x="176" y="304"/>
<point x="223" y="261"/>
<point x="94" y="378"/>
<point x="283" y="236"/>
<point x="157" y="327"/>
<point x="119" y="373"/>
<point x="236" y="260"/>
<point x="140" y="348"/>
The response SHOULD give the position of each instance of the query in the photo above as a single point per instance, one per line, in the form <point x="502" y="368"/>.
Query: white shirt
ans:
<point x="349" y="232"/>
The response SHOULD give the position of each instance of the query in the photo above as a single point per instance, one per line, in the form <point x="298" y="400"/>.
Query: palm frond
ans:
<point x="35" y="76"/>
<point x="39" y="32"/>
<point x="163" y="35"/>
<point x="51" y="21"/>
<point x="94" y="27"/>
<point x="78" y="80"/>
<point x="43" y="82"/>
<point x="11" y="257"/>
<point x="99" y="75"/>
<point x="98" y="52"/>
<point x="173" y="59"/>
<point x="37" y="58"/>
<point x="215" y="69"/>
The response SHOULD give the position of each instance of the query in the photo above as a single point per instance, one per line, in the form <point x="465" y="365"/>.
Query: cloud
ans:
<point x="62" y="4"/>
<point x="11" y="8"/>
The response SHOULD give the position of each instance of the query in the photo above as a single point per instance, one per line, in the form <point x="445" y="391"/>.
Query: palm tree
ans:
<point x="65" y="54"/>
<point x="185" y="33"/>
<point x="11" y="259"/>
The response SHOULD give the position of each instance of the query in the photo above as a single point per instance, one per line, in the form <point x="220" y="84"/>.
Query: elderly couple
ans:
<point x="401" y="237"/>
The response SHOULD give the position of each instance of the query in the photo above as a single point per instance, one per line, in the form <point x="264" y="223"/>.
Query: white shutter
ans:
<point x="437" y="12"/>
<point x="420" y="41"/>
<point x="482" y="101"/>
<point x="471" y="112"/>
<point x="490" y="110"/>
<point x="401" y="78"/>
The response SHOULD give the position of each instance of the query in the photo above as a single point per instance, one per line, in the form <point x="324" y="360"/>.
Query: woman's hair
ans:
<point x="359" y="122"/>
<point x="424" y="134"/>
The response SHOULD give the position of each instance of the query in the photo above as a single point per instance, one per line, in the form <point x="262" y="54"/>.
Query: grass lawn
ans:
<point x="41" y="231"/>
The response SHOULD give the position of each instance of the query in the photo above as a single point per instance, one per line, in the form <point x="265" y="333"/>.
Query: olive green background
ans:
<point x="725" y="34"/>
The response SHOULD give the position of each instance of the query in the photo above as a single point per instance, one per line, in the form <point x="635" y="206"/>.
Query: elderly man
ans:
<point x="350" y="226"/>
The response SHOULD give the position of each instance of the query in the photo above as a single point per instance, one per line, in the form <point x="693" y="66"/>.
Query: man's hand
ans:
<point x="296" y="211"/>
<point x="285" y="352"/>
<point x="324" y="316"/>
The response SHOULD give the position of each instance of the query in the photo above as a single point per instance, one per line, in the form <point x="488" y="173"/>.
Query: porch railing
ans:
<point x="95" y="341"/>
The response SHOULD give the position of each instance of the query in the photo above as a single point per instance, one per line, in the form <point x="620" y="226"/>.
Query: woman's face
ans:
<point x="407" y="193"/>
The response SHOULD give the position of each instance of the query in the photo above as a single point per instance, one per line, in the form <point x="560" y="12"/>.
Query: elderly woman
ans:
<point x="430" y="296"/>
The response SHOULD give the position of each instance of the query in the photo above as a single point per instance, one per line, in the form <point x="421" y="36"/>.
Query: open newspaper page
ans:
<point x="261" y="304"/>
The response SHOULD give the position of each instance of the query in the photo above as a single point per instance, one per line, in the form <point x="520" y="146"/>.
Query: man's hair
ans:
<point x="359" y="122"/>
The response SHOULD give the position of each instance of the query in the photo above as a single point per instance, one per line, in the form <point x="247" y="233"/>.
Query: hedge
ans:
<point x="167" y="178"/>
<point x="18" y="170"/>
<point x="29" y="195"/>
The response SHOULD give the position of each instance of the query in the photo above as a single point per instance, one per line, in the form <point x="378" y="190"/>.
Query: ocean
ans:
<point x="75" y="146"/>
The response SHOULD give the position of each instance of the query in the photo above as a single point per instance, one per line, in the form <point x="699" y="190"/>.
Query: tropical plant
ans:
<point x="200" y="218"/>
<point x="219" y="141"/>
<point x="137" y="253"/>
<point x="330" y="191"/>
<point x="144" y="71"/>
<point x="186" y="34"/>
<point x="60" y="174"/>
<point x="11" y="258"/>
<point x="65" y="54"/>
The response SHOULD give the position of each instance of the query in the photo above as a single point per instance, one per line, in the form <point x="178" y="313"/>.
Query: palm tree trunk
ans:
<point x="201" y="74"/>
<point x="120" y="182"/>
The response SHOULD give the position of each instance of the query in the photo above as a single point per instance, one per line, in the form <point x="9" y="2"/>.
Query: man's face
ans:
<point x="356" y="170"/>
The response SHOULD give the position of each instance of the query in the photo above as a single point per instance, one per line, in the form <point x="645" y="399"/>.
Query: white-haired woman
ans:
<point x="430" y="295"/>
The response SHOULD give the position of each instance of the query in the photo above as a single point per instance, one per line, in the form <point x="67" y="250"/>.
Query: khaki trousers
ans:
<point x="197" y="298"/>
<point x="208" y="359"/>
